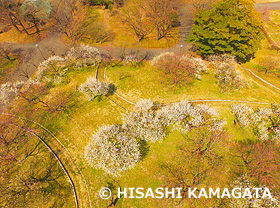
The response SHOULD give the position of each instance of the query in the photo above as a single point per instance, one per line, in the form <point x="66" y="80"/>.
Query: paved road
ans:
<point x="32" y="56"/>
<point x="270" y="6"/>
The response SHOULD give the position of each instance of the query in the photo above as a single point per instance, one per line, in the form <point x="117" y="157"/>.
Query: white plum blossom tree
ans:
<point x="52" y="69"/>
<point x="144" y="105"/>
<point x="112" y="150"/>
<point x="265" y="122"/>
<point x="184" y="115"/>
<point x="243" y="114"/>
<point x="156" y="59"/>
<point x="92" y="88"/>
<point x="143" y="123"/>
<point x="84" y="55"/>
<point x="229" y="79"/>
<point x="55" y="68"/>
<point x="216" y="60"/>
<point x="115" y="148"/>
<point x="254" y="202"/>
<point x="8" y="91"/>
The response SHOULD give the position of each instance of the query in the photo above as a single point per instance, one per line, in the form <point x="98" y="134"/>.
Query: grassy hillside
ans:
<point x="75" y="127"/>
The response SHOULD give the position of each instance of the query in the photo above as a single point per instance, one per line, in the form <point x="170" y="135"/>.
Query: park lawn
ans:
<point x="75" y="128"/>
<point x="266" y="51"/>
<point x="273" y="78"/>
<point x="144" y="83"/>
<point x="7" y="67"/>
<point x="274" y="29"/>
<point x="83" y="120"/>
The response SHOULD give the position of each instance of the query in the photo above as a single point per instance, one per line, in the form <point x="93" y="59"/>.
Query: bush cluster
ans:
<point x="179" y="69"/>
<point x="92" y="88"/>
<point x="116" y="148"/>
<point x="55" y="69"/>
<point x="265" y="122"/>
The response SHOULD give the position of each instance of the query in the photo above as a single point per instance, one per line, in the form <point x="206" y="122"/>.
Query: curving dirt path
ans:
<point x="196" y="101"/>
<point x="261" y="79"/>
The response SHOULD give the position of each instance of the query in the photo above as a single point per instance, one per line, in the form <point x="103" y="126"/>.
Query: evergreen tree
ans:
<point x="230" y="26"/>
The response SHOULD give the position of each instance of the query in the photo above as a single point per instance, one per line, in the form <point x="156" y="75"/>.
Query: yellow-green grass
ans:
<point x="269" y="77"/>
<point x="42" y="158"/>
<point x="76" y="129"/>
<point x="145" y="83"/>
<point x="266" y="51"/>
<point x="7" y="67"/>
<point x="274" y="29"/>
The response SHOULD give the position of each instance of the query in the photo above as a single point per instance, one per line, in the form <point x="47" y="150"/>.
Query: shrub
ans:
<point x="144" y="124"/>
<point x="179" y="69"/>
<point x="8" y="91"/>
<point x="229" y="79"/>
<point x="184" y="116"/>
<point x="84" y="55"/>
<point x="264" y="122"/>
<point x="92" y="88"/>
<point x="112" y="150"/>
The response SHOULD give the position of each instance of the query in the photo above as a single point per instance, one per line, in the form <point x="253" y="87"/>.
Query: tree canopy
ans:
<point x="230" y="26"/>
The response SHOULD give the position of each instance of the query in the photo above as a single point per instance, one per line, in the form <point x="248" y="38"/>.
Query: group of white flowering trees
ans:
<point x="265" y="122"/>
<point x="182" y="69"/>
<point x="117" y="148"/>
<point x="254" y="202"/>
<point x="55" y="69"/>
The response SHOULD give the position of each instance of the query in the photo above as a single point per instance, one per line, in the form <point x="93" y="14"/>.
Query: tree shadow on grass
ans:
<point x="144" y="148"/>
<point x="112" y="89"/>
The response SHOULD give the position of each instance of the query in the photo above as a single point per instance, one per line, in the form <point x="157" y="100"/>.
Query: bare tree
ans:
<point x="69" y="18"/>
<point x="197" y="162"/>
<point x="163" y="14"/>
<point x="134" y="15"/>
<point x="25" y="16"/>
<point x="11" y="15"/>
<point x="268" y="63"/>
<point x="5" y="52"/>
